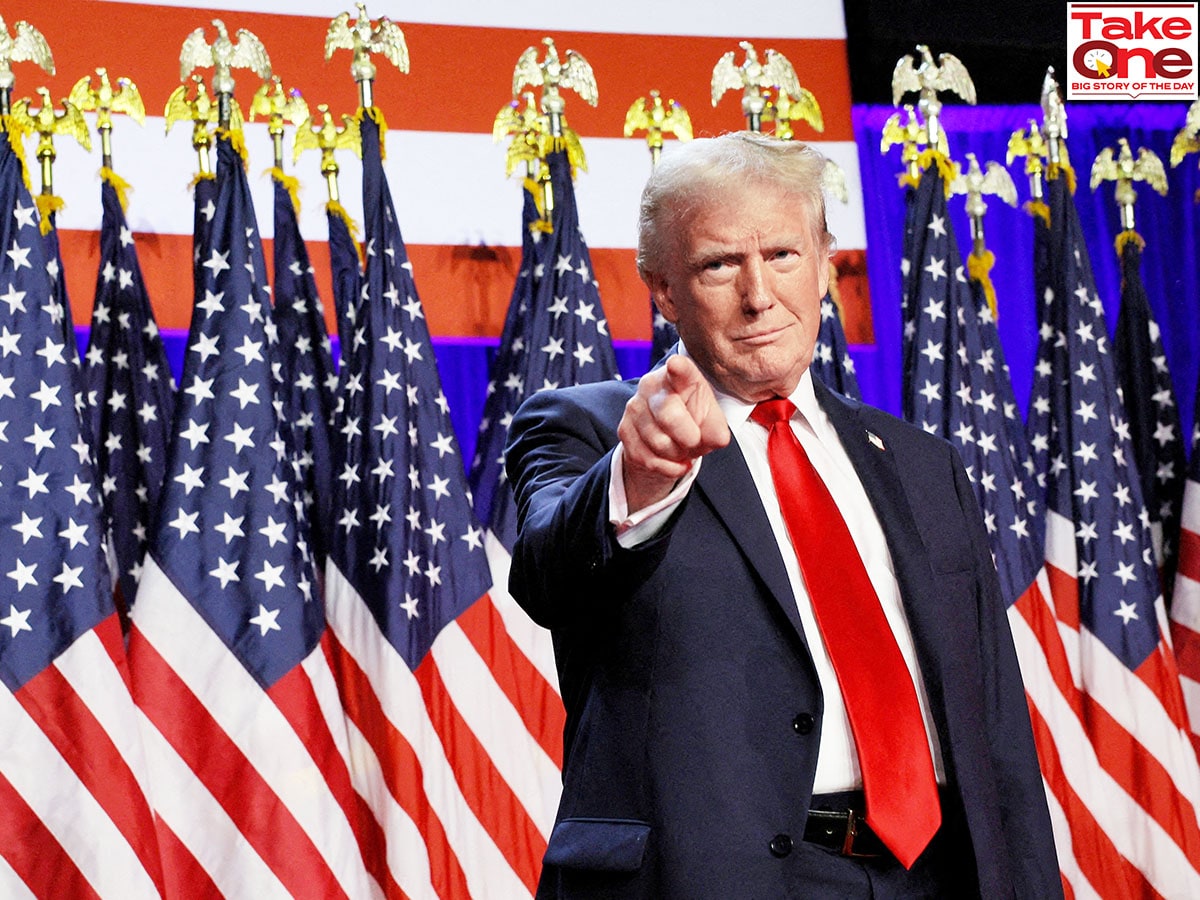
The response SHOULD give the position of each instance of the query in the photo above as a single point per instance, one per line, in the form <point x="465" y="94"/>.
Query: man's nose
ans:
<point x="755" y="286"/>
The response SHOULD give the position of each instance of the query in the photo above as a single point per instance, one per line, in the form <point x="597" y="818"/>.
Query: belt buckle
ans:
<point x="851" y="833"/>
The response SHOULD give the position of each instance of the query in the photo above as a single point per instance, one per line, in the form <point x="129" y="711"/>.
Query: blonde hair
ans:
<point x="694" y="173"/>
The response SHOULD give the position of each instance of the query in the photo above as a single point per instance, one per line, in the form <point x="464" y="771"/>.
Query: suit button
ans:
<point x="803" y="723"/>
<point x="781" y="845"/>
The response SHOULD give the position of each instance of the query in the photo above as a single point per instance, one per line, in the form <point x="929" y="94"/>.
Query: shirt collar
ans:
<point x="737" y="411"/>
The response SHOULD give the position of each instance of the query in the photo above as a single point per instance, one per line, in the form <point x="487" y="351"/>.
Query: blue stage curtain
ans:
<point x="1167" y="223"/>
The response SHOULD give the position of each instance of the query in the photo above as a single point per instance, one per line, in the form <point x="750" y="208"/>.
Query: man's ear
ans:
<point x="660" y="293"/>
<point x="824" y="273"/>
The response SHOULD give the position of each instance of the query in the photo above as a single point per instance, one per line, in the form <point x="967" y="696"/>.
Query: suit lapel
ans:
<point x="728" y="486"/>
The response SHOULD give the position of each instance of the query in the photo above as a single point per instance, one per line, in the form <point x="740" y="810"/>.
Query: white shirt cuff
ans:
<point x="646" y="523"/>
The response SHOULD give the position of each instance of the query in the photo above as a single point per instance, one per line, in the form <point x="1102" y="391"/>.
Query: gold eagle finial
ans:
<point x="223" y="55"/>
<point x="364" y="38"/>
<point x="552" y="75"/>
<point x="278" y="106"/>
<point x="657" y="118"/>
<point x="327" y="137"/>
<point x="753" y="77"/>
<point x="928" y="79"/>
<point x="1124" y="169"/>
<point x="104" y="101"/>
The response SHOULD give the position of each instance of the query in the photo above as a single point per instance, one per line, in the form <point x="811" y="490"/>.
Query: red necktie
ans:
<point x="881" y="702"/>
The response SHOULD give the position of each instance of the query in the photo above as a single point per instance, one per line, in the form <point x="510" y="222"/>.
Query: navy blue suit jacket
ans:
<point x="687" y="679"/>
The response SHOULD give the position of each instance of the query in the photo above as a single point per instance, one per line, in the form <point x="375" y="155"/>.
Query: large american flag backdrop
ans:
<point x="456" y="206"/>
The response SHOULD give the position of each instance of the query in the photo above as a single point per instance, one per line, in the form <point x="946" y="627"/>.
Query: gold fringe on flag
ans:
<point x="1040" y="209"/>
<point x="1128" y="236"/>
<point x="16" y="137"/>
<point x="375" y="114"/>
<point x="237" y="140"/>
<point x="947" y="167"/>
<point x="979" y="268"/>
<point x="906" y="180"/>
<point x="336" y="209"/>
<point x="47" y="205"/>
<point x="119" y="184"/>
<point x="290" y="184"/>
<point x="1053" y="169"/>
<point x="542" y="224"/>
<point x="201" y="176"/>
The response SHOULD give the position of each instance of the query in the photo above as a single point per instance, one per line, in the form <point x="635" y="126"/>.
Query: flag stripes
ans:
<point x="408" y="718"/>
<point x="246" y="755"/>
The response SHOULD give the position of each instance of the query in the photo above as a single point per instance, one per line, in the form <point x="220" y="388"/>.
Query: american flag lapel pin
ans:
<point x="875" y="440"/>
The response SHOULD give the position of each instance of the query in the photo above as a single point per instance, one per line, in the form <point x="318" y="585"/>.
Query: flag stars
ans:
<point x="443" y="445"/>
<point x="379" y="559"/>
<point x="218" y="262"/>
<point x="1086" y="412"/>
<point x="1124" y="532"/>
<point x="22" y="575"/>
<point x="1127" y="611"/>
<point x="440" y="487"/>
<point x="190" y="478"/>
<point x="1125" y="573"/>
<point x="19" y="256"/>
<point x="225" y="572"/>
<point x="267" y="619"/>
<point x="1086" y="491"/>
<point x="28" y="528"/>
<point x="250" y="350"/>
<point x="230" y="528"/>
<point x="69" y="577"/>
<point x="274" y="531"/>
<point x="18" y="620"/>
<point x="52" y="353"/>
<point x="936" y="268"/>
<point x="185" y="523"/>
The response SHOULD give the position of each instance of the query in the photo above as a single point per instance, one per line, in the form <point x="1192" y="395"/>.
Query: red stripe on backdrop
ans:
<point x="228" y="775"/>
<point x="1094" y="852"/>
<point x="34" y="853"/>
<point x="449" y="62"/>
<point x="81" y="740"/>
<point x="296" y="699"/>
<point x="538" y="704"/>
<point x="465" y="290"/>
<point x="400" y="768"/>
<point x="184" y="876"/>
<point x="483" y="787"/>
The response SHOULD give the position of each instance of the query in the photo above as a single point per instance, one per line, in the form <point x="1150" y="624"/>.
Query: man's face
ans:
<point x="744" y="287"/>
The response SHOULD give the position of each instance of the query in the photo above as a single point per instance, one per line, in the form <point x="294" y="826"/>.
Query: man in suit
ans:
<point x="766" y="698"/>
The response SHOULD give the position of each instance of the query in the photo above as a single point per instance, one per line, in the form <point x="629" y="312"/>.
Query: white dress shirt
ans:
<point x="837" y="762"/>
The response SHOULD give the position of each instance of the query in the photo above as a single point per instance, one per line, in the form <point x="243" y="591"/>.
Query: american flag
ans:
<point x="1155" y="429"/>
<point x="1185" y="604"/>
<point x="347" y="277"/>
<point x="307" y="379"/>
<point x="960" y="389"/>
<point x="491" y="495"/>
<point x="130" y="396"/>
<point x="72" y="777"/>
<point x="559" y="337"/>
<point x="450" y="742"/>
<point x="1130" y="804"/>
<point x="831" y="356"/>
<point x="60" y="312"/>
<point x="243" y="732"/>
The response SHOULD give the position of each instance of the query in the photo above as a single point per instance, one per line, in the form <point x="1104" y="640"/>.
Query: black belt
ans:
<point x="844" y="830"/>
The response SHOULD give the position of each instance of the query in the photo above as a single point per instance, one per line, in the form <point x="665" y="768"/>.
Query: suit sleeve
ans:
<point x="1024" y="815"/>
<point x="567" y="566"/>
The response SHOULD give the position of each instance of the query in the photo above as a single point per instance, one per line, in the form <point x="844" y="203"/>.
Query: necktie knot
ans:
<point x="777" y="409"/>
